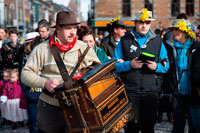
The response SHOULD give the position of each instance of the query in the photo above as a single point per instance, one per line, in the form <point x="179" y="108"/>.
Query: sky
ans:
<point x="84" y="6"/>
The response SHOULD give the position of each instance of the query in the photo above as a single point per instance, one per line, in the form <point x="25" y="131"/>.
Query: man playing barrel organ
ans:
<point x="142" y="53"/>
<point x="50" y="117"/>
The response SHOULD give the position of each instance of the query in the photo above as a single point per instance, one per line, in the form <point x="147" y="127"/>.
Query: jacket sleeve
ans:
<point x="5" y="89"/>
<point x="102" y="55"/>
<point x="30" y="72"/>
<point x="124" y="66"/>
<point x="163" y="55"/>
<point x="195" y="68"/>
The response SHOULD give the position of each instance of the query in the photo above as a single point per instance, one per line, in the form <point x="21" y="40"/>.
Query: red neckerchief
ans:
<point x="62" y="47"/>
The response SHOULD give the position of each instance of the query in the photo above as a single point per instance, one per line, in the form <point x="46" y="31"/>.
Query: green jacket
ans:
<point x="100" y="54"/>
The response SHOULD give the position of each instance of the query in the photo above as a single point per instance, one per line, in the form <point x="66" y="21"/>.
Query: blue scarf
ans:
<point x="141" y="39"/>
<point x="182" y="63"/>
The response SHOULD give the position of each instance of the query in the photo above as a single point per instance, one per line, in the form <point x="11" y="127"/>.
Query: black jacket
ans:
<point x="195" y="78"/>
<point x="38" y="40"/>
<point x="170" y="79"/>
<point x="11" y="55"/>
<point x="108" y="45"/>
<point x="141" y="80"/>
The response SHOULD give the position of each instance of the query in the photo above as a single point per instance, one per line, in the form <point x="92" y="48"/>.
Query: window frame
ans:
<point x="189" y="4"/>
<point x="149" y="5"/>
<point x="175" y="5"/>
<point x="126" y="8"/>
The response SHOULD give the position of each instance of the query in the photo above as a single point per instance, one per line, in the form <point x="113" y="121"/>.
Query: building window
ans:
<point x="190" y="7"/>
<point x="175" y="9"/>
<point x="126" y="8"/>
<point x="149" y="5"/>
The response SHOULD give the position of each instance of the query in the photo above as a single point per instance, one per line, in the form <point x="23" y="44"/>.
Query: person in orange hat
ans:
<point x="50" y="118"/>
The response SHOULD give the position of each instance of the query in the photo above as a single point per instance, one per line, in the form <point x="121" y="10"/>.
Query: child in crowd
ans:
<point x="12" y="91"/>
<point x="6" y="78"/>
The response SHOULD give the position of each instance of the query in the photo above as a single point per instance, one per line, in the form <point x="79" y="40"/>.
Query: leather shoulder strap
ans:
<point x="61" y="66"/>
<point x="80" y="59"/>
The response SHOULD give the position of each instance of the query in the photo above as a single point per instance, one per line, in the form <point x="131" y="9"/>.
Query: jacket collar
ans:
<point x="150" y="34"/>
<point x="112" y="41"/>
<point x="79" y="44"/>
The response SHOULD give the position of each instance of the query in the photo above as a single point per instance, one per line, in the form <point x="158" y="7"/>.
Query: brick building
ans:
<point x="165" y="11"/>
<point x="24" y="14"/>
<point x="11" y="17"/>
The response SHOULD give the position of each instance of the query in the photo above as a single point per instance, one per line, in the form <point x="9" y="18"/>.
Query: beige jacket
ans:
<point x="41" y="66"/>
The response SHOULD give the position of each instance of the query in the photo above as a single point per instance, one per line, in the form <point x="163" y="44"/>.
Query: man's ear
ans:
<point x="57" y="29"/>
<point x="115" y="30"/>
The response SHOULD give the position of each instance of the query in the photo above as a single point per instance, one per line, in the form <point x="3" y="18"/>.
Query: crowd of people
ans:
<point x="19" y="101"/>
<point x="160" y="71"/>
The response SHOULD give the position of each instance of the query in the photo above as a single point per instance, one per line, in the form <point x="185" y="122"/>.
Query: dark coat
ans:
<point x="195" y="78"/>
<point x="108" y="45"/>
<point x="141" y="80"/>
<point x="170" y="79"/>
<point x="11" y="55"/>
<point x="38" y="40"/>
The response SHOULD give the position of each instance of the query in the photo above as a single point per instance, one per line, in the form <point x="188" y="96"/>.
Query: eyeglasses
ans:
<point x="144" y="22"/>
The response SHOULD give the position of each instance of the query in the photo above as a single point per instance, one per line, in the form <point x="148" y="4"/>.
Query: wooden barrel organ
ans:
<point x="102" y="99"/>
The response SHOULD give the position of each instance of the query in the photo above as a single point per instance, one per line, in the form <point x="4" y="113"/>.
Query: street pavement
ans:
<point x="163" y="127"/>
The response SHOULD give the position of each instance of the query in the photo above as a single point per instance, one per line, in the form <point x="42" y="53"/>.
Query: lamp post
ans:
<point x="24" y="14"/>
<point x="17" y="15"/>
<point x="1" y="12"/>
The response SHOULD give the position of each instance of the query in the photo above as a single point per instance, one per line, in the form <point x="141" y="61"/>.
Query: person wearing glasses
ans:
<point x="142" y="78"/>
<point x="44" y="33"/>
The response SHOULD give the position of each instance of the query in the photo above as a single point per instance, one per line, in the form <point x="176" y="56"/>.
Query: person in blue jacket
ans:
<point x="32" y="94"/>
<point x="142" y="78"/>
<point x="180" y="45"/>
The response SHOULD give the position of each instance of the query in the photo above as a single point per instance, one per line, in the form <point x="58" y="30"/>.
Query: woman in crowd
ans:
<point x="180" y="46"/>
<point x="32" y="94"/>
<point x="87" y="36"/>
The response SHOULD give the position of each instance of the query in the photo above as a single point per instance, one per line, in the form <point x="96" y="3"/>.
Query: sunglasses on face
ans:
<point x="144" y="22"/>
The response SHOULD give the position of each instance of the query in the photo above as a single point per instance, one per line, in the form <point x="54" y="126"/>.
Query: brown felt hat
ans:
<point x="65" y="17"/>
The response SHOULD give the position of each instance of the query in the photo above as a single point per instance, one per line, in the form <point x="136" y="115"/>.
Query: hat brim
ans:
<point x="76" y="23"/>
<point x="149" y="19"/>
<point x="173" y="28"/>
<point x="176" y="28"/>
<point x="119" y="25"/>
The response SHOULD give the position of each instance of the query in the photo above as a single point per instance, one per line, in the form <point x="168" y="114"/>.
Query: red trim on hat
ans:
<point x="29" y="39"/>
